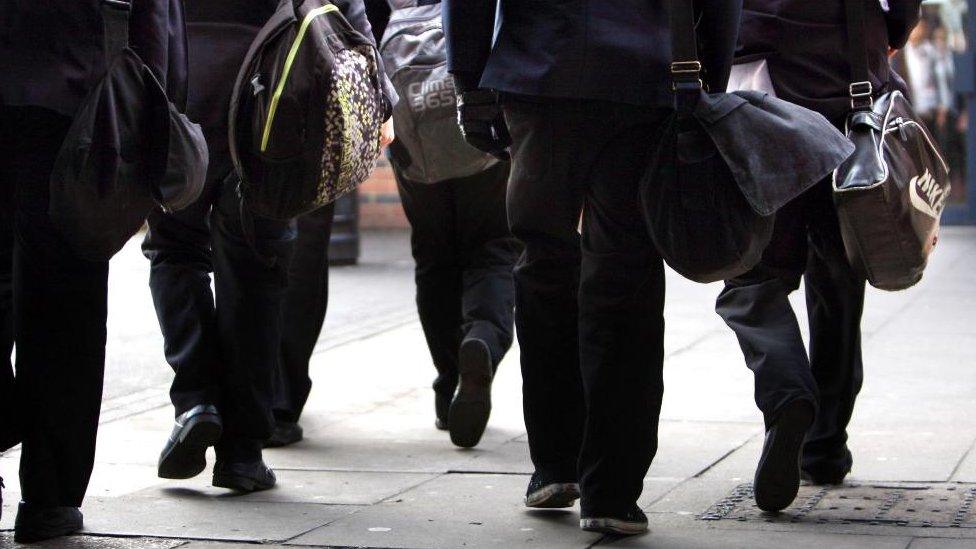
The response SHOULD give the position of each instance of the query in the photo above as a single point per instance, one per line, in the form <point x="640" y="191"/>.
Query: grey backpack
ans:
<point x="429" y="147"/>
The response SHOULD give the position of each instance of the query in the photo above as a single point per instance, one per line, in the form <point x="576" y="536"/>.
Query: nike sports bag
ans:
<point x="891" y="193"/>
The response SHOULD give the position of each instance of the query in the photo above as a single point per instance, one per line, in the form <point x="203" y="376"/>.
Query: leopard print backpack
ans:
<point x="306" y="111"/>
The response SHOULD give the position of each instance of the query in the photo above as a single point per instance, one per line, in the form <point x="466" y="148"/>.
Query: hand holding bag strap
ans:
<point x="861" y="90"/>
<point x="686" y="68"/>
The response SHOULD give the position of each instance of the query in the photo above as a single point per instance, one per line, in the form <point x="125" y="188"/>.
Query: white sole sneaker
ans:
<point x="613" y="526"/>
<point x="553" y="496"/>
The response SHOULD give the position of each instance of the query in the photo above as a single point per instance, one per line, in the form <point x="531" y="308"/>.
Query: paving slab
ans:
<point x="316" y="487"/>
<point x="206" y="518"/>
<point x="220" y="545"/>
<point x="941" y="543"/>
<point x="455" y="511"/>
<point x="724" y="539"/>
<point x="92" y="542"/>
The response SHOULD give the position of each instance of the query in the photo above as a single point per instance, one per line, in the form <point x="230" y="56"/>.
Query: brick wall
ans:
<point x="379" y="203"/>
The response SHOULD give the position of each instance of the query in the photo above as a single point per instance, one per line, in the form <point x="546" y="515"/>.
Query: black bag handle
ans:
<point x="861" y="90"/>
<point x="686" y="68"/>
<point x="115" y="21"/>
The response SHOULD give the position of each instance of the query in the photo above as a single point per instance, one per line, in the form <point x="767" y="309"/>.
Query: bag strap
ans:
<point x="115" y="22"/>
<point x="686" y="68"/>
<point x="861" y="90"/>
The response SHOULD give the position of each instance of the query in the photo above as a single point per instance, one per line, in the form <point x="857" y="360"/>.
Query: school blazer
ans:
<point x="51" y="50"/>
<point x="804" y="43"/>
<point x="610" y="50"/>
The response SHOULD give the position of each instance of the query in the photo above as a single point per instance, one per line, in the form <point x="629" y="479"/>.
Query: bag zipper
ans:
<point x="273" y="107"/>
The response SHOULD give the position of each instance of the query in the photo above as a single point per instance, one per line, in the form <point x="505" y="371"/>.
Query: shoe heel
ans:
<point x="471" y="408"/>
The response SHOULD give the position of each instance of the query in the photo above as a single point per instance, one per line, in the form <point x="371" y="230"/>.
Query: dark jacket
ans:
<point x="805" y="44"/>
<point x="612" y="50"/>
<point x="220" y="33"/>
<point x="51" y="51"/>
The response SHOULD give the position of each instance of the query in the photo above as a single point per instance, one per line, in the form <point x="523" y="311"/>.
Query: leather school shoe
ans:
<point x="244" y="476"/>
<point x="185" y="453"/>
<point x="545" y="494"/>
<point x="40" y="523"/>
<point x="629" y="524"/>
<point x="471" y="406"/>
<point x="285" y="433"/>
<point x="442" y="410"/>
<point x="821" y="478"/>
<point x="778" y="475"/>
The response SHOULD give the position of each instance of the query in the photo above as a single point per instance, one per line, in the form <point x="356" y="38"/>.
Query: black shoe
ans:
<point x="778" y="475"/>
<point x="632" y="523"/>
<point x="471" y="407"/>
<point x="285" y="433"/>
<point x="442" y="410"/>
<point x="249" y="476"/>
<point x="823" y="479"/>
<point x="544" y="494"/>
<point x="41" y="523"/>
<point x="185" y="454"/>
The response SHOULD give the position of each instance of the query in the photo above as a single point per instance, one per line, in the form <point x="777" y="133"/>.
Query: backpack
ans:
<point x="128" y="151"/>
<point x="306" y="110"/>
<point x="429" y="146"/>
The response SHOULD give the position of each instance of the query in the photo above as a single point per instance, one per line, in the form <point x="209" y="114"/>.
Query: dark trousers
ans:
<point x="464" y="257"/>
<point x="303" y="311"/>
<point x="53" y="305"/>
<point x="223" y="345"/>
<point x="589" y="314"/>
<point x="806" y="242"/>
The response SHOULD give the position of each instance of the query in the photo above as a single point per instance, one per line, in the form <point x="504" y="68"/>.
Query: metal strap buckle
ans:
<point x="862" y="95"/>
<point x="686" y="72"/>
<point x="686" y="67"/>
<point x="861" y="89"/>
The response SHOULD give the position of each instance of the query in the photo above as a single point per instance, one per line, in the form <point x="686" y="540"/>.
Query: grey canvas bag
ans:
<point x="429" y="147"/>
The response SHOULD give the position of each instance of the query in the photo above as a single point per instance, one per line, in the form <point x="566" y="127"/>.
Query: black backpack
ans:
<point x="128" y="151"/>
<point x="306" y="111"/>
<point x="429" y="146"/>
<point x="724" y="164"/>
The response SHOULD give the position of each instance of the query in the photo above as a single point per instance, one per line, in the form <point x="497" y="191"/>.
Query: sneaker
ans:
<point x="285" y="433"/>
<point x="778" y="474"/>
<point x="631" y="523"/>
<point x="35" y="524"/>
<point x="471" y="407"/>
<point x="249" y="476"/>
<point x="185" y="453"/>
<point x="550" y="495"/>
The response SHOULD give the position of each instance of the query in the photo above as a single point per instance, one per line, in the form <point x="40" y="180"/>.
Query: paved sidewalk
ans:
<point x="373" y="472"/>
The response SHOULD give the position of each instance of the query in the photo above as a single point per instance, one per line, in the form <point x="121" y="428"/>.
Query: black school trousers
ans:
<point x="53" y="304"/>
<point x="806" y="242"/>
<point x="589" y="312"/>
<point x="464" y="254"/>
<point x="223" y="342"/>
<point x="303" y="311"/>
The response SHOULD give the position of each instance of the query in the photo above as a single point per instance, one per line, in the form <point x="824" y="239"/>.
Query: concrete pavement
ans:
<point x="373" y="472"/>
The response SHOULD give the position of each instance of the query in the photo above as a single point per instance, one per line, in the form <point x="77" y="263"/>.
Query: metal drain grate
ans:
<point x="941" y="505"/>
